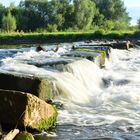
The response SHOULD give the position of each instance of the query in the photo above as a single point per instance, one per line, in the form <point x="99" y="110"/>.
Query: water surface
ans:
<point x="91" y="109"/>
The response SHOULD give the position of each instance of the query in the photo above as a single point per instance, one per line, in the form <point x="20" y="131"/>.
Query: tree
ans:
<point x="9" y="22"/>
<point x="2" y="12"/>
<point x="114" y="10"/>
<point x="59" y="13"/>
<point x="32" y="14"/>
<point x="138" y="23"/>
<point x="62" y="15"/>
<point x="84" y="11"/>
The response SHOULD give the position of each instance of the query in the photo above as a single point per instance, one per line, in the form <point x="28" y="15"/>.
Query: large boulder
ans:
<point x="41" y="87"/>
<point x="26" y="111"/>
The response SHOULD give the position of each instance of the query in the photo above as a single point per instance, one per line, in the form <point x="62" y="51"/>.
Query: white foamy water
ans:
<point x="86" y="102"/>
<point x="88" y="73"/>
<point x="119" y="102"/>
<point x="79" y="82"/>
<point x="69" y="84"/>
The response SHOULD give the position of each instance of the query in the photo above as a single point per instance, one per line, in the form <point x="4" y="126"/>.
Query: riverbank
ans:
<point x="60" y="37"/>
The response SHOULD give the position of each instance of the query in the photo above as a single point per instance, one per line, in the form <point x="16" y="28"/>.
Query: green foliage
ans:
<point x="111" y="9"/>
<point x="114" y="14"/>
<point x="84" y="13"/>
<point x="9" y="23"/>
<point x="68" y="15"/>
<point x="138" y="23"/>
<point x="49" y="123"/>
<point x="52" y="28"/>
<point x="2" y="12"/>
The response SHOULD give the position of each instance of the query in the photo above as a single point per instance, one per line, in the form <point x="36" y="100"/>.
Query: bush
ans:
<point x="52" y="28"/>
<point x="8" y="23"/>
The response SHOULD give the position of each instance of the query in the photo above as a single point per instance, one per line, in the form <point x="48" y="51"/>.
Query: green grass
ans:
<point x="57" y="37"/>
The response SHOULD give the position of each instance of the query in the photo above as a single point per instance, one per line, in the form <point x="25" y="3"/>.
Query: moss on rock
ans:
<point x="103" y="54"/>
<point x="24" y="136"/>
<point x="38" y="115"/>
<point x="48" y="123"/>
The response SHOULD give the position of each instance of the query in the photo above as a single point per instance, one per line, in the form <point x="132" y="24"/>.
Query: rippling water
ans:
<point x="112" y="111"/>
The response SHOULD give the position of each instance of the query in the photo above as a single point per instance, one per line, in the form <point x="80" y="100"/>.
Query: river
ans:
<point x="100" y="104"/>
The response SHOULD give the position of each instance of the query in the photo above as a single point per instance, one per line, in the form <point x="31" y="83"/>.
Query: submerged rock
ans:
<point x="40" y="48"/>
<point x="24" y="136"/>
<point x="41" y="87"/>
<point x="25" y="110"/>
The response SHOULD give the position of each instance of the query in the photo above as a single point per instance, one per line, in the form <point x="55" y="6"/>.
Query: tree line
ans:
<point x="64" y="15"/>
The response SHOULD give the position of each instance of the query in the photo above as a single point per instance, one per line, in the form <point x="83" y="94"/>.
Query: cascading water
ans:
<point x="80" y="81"/>
<point x="87" y="72"/>
<point x="91" y="110"/>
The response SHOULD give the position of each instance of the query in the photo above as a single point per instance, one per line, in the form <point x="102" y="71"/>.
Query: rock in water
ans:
<point x="11" y="135"/>
<point x="41" y="87"/>
<point x="24" y="136"/>
<point x="26" y="110"/>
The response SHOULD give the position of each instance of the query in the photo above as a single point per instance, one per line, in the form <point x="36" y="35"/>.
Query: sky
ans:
<point x="133" y="8"/>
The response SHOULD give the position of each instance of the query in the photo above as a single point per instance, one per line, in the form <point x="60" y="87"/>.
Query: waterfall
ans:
<point x="79" y="81"/>
<point x="69" y="88"/>
<point x="87" y="72"/>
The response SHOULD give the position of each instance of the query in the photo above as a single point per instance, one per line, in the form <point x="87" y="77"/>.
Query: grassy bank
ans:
<point x="31" y="38"/>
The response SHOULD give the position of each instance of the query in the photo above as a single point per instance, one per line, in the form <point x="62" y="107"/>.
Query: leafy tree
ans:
<point x="138" y="23"/>
<point x="32" y="14"/>
<point x="111" y="9"/>
<point x="57" y="13"/>
<point x="84" y="13"/>
<point x="64" y="15"/>
<point x="69" y="17"/>
<point x="114" y="10"/>
<point x="2" y="11"/>
<point x="9" y="23"/>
